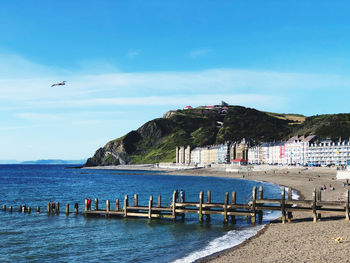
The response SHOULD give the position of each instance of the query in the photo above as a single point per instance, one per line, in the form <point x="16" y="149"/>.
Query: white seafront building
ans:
<point x="298" y="150"/>
<point x="329" y="152"/>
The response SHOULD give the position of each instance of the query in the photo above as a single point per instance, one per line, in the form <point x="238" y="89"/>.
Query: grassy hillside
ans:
<point x="325" y="126"/>
<point x="155" y="141"/>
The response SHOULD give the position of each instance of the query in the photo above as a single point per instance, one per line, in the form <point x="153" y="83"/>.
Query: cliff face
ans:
<point x="155" y="141"/>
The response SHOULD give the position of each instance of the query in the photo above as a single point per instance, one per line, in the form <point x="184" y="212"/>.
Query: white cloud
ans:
<point x="37" y="116"/>
<point x="199" y="53"/>
<point x="133" y="53"/>
<point x="173" y="88"/>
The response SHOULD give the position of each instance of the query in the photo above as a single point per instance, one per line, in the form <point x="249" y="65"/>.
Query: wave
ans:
<point x="229" y="240"/>
<point x="232" y="238"/>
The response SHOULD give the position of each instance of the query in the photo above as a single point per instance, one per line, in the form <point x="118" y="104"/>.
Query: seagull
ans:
<point x="59" y="83"/>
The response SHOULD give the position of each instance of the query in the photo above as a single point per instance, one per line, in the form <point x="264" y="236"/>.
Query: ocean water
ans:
<point x="74" y="238"/>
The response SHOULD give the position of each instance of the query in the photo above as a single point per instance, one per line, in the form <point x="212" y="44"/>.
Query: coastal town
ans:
<point x="297" y="150"/>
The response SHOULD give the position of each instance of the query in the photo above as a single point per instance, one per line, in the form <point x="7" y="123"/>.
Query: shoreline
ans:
<point x="298" y="241"/>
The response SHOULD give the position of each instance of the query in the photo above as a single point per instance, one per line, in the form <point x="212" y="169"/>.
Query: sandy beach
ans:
<point x="298" y="241"/>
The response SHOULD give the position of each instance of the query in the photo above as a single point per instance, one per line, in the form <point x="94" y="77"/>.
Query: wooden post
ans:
<point x="347" y="205"/>
<point x="86" y="205"/>
<point x="19" y="208"/>
<point x="208" y="202"/>
<point x="208" y="196"/>
<point x="159" y="200"/>
<point x="29" y="210"/>
<point x="253" y="206"/>
<point x="225" y="208"/>
<point x="38" y="209"/>
<point x="314" y="205"/>
<point x="117" y="205"/>
<point x="283" y="205"/>
<point x="76" y="208"/>
<point x="107" y="206"/>
<point x="67" y="209"/>
<point x="96" y="204"/>
<point x="136" y="201"/>
<point x="125" y="206"/>
<point x="233" y="218"/>
<point x="3" y="207"/>
<point x="150" y="204"/>
<point x="48" y="208"/>
<point x="261" y="196"/>
<point x="173" y="212"/>
<point x="318" y="199"/>
<point x="57" y="207"/>
<point x="10" y="208"/>
<point x="289" y="214"/>
<point x="201" y="195"/>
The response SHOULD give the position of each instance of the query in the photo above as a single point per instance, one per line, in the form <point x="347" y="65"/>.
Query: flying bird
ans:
<point x="59" y="83"/>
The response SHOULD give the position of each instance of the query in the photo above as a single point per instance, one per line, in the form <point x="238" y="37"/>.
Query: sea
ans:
<point x="39" y="237"/>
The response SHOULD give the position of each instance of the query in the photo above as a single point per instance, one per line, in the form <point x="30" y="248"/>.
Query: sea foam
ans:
<point x="232" y="238"/>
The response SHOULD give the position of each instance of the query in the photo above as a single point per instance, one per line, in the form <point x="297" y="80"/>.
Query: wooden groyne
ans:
<point x="229" y="209"/>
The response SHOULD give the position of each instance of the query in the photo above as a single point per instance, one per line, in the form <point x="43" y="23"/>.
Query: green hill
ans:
<point x="155" y="141"/>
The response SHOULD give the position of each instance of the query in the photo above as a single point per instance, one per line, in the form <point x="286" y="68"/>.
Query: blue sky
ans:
<point x="127" y="62"/>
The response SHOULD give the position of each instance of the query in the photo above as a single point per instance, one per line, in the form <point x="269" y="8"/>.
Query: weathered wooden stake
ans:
<point x="261" y="196"/>
<point x="150" y="204"/>
<point x="107" y="206"/>
<point x="283" y="205"/>
<point x="208" y="202"/>
<point x="347" y="205"/>
<point x="125" y="205"/>
<point x="38" y="209"/>
<point x="76" y="208"/>
<point x="117" y="205"/>
<point x="3" y="207"/>
<point x="233" y="218"/>
<point x="314" y="207"/>
<point x="48" y="208"/>
<point x="136" y="200"/>
<point x="57" y="207"/>
<point x="96" y="204"/>
<point x="86" y="205"/>
<point x="289" y="214"/>
<point x="159" y="200"/>
<point x="253" y="206"/>
<point x="19" y="208"/>
<point x="201" y="195"/>
<point x="67" y="209"/>
<point x="318" y="198"/>
<point x="208" y="197"/>
<point x="173" y="211"/>
<point x="225" y="208"/>
<point x="29" y="210"/>
<point x="10" y="208"/>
